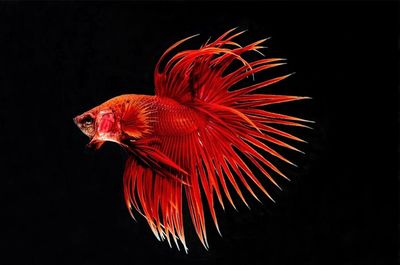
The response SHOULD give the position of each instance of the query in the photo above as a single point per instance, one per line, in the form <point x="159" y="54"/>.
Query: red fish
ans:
<point x="190" y="137"/>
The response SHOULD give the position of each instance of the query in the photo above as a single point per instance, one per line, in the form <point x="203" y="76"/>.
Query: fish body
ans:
<point x="190" y="138"/>
<point x="145" y="117"/>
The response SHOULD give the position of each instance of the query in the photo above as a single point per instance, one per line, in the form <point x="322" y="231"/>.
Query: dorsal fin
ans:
<point x="200" y="74"/>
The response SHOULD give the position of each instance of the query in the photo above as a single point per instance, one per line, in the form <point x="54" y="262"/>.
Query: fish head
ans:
<point x="100" y="125"/>
<point x="86" y="122"/>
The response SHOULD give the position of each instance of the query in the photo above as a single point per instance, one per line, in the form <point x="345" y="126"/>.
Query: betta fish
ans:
<point x="200" y="133"/>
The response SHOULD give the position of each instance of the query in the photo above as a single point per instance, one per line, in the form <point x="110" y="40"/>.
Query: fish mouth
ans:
<point x="76" y="121"/>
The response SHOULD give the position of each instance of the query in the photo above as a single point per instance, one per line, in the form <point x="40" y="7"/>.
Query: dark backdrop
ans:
<point x="65" y="204"/>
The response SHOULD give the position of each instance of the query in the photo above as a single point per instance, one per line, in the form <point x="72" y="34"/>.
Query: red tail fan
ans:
<point x="187" y="138"/>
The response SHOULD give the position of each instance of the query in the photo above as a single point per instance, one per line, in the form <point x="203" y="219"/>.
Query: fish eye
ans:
<point x="87" y="121"/>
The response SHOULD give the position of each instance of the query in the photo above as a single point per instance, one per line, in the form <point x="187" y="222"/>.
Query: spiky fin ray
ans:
<point x="209" y="156"/>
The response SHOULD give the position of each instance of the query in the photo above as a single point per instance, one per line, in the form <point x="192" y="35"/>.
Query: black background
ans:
<point x="65" y="204"/>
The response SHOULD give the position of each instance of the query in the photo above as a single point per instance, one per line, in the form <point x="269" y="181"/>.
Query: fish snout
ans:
<point x="76" y="121"/>
<point x="86" y="123"/>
